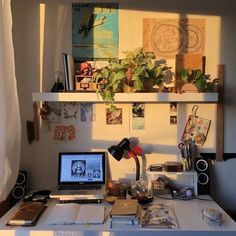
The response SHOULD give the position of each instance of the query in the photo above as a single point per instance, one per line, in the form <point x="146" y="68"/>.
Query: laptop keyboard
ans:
<point x="80" y="187"/>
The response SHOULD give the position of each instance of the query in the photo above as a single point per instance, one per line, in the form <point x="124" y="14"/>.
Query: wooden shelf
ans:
<point x="129" y="97"/>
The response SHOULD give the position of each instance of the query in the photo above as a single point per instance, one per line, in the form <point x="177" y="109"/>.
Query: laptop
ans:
<point x="81" y="176"/>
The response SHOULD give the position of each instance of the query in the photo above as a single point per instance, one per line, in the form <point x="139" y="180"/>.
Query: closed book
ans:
<point x="124" y="208"/>
<point x="27" y="214"/>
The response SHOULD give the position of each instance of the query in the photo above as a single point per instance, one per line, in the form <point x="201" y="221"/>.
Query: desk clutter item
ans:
<point x="196" y="128"/>
<point x="27" y="214"/>
<point x="140" y="191"/>
<point x="159" y="216"/>
<point x="172" y="166"/>
<point x="72" y="213"/>
<point x="160" y="186"/>
<point x="125" y="211"/>
<point x="116" y="188"/>
<point x="212" y="216"/>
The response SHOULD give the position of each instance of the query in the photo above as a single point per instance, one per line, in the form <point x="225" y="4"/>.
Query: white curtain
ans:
<point x="10" y="126"/>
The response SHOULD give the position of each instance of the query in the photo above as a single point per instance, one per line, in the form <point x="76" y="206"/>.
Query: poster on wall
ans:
<point x="88" y="116"/>
<point x="94" y="31"/>
<point x="138" y="116"/>
<point x="168" y="37"/>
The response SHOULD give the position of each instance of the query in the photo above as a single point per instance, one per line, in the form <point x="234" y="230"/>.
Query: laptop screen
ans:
<point x="81" y="168"/>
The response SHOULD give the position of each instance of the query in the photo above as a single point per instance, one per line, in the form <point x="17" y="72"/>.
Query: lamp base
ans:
<point x="144" y="200"/>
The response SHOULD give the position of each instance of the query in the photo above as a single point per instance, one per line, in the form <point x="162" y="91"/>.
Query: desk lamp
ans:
<point x="127" y="148"/>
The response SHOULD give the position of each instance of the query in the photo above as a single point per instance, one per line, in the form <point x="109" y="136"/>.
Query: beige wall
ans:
<point x="160" y="139"/>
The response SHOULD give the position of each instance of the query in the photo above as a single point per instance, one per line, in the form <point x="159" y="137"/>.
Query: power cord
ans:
<point x="182" y="198"/>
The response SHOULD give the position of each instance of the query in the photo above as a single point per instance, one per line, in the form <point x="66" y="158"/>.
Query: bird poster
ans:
<point x="94" y="31"/>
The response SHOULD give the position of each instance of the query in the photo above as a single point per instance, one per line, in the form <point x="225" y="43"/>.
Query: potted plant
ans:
<point x="196" y="80"/>
<point x="136" y="72"/>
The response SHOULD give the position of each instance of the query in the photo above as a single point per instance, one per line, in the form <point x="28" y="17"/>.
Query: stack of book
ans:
<point x="125" y="211"/>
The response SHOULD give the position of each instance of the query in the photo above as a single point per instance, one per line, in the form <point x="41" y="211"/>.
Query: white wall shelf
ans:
<point x="129" y="97"/>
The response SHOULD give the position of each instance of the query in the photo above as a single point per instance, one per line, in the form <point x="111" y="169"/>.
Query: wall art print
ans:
<point x="138" y="116"/>
<point x="69" y="112"/>
<point x="114" y="117"/>
<point x="64" y="133"/>
<point x="168" y="37"/>
<point x="94" y="31"/>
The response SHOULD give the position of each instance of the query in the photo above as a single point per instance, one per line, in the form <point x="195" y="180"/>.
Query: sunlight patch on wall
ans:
<point x="41" y="41"/>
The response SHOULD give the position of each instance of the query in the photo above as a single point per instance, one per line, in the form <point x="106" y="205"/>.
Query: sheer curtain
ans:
<point x="10" y="126"/>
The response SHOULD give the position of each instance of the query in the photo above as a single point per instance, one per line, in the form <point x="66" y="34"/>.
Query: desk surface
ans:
<point x="188" y="214"/>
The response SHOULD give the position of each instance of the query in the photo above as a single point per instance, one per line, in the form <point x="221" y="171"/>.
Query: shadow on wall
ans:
<point x="223" y="185"/>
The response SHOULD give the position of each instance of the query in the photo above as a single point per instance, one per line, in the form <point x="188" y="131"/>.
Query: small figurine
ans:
<point x="86" y="69"/>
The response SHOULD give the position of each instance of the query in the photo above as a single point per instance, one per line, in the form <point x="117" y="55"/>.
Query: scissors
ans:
<point x="185" y="154"/>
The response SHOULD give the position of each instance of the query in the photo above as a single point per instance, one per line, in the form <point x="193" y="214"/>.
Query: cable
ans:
<point x="182" y="198"/>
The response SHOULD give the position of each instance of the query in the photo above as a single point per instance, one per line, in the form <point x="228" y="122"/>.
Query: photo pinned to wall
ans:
<point x="88" y="114"/>
<point x="138" y="116"/>
<point x="173" y="113"/>
<point x="50" y="113"/>
<point x="114" y="117"/>
<point x="69" y="112"/>
<point x="62" y="133"/>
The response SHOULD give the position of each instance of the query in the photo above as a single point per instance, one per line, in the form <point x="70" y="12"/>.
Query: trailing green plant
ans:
<point x="203" y="82"/>
<point x="129" y="74"/>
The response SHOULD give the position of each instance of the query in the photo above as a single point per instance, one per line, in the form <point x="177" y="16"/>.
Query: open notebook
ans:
<point x="81" y="176"/>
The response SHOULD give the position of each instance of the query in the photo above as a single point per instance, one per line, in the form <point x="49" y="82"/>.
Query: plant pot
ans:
<point x="148" y="85"/>
<point x="128" y="89"/>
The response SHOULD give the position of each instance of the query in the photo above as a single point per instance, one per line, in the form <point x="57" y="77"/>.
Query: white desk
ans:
<point x="188" y="214"/>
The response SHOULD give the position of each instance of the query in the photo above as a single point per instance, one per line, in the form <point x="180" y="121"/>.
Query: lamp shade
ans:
<point x="117" y="151"/>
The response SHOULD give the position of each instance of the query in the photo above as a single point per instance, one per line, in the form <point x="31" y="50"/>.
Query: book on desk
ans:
<point x="125" y="211"/>
<point x="72" y="213"/>
<point x="27" y="214"/>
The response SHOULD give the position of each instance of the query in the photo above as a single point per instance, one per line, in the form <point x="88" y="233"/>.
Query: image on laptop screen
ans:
<point x="81" y="168"/>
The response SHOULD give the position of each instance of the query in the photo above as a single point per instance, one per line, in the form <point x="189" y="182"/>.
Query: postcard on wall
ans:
<point x="95" y="31"/>
<point x="114" y="117"/>
<point x="69" y="112"/>
<point x="138" y="116"/>
<point x="53" y="111"/>
<point x="64" y="133"/>
<point x="88" y="114"/>
<point x="168" y="37"/>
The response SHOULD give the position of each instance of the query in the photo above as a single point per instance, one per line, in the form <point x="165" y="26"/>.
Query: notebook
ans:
<point x="81" y="176"/>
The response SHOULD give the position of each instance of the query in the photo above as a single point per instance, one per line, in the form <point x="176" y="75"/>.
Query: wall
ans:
<point x="39" y="59"/>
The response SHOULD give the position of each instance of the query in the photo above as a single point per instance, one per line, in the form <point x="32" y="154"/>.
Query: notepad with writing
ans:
<point x="27" y="214"/>
<point x="72" y="213"/>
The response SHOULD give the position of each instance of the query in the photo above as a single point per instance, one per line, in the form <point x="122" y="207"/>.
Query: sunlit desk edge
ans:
<point x="188" y="214"/>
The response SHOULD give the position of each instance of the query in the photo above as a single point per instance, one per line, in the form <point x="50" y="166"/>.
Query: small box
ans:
<point x="85" y="83"/>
